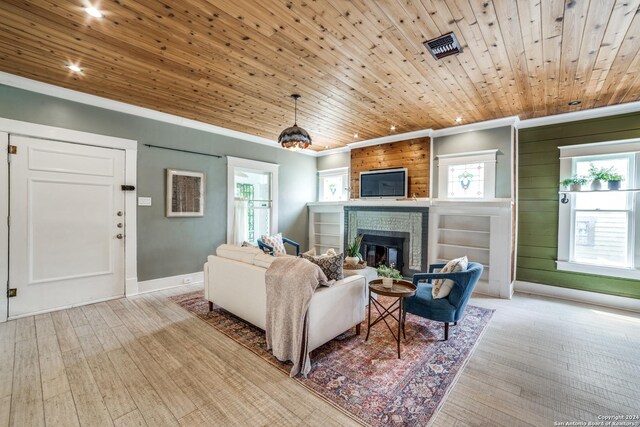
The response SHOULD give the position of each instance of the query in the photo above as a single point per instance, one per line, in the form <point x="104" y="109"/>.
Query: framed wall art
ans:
<point x="185" y="193"/>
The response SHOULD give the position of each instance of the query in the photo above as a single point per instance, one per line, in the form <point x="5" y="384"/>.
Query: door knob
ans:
<point x="119" y="236"/>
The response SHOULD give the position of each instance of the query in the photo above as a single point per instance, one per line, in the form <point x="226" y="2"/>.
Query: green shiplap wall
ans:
<point x="538" y="177"/>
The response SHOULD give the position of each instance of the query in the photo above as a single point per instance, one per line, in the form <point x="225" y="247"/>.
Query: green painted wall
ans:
<point x="538" y="175"/>
<point x="173" y="246"/>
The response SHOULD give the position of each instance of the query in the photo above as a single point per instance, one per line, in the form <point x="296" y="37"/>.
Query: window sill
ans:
<point x="625" y="273"/>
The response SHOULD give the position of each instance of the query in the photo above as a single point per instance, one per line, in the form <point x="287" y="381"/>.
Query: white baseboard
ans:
<point x="612" y="301"/>
<point x="170" y="282"/>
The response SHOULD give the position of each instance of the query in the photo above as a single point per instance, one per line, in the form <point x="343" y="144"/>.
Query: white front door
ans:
<point x="66" y="233"/>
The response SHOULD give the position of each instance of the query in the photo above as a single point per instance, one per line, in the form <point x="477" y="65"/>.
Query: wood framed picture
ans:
<point x="185" y="193"/>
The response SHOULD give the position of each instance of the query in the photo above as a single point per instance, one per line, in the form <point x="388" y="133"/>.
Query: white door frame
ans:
<point x="237" y="162"/>
<point x="130" y="147"/>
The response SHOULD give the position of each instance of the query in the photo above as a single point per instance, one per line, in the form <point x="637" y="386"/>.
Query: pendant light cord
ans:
<point x="295" y="114"/>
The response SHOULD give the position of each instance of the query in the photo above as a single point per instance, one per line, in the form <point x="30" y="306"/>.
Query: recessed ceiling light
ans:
<point x="93" y="12"/>
<point x="74" y="68"/>
<point x="393" y="127"/>
<point x="458" y="119"/>
<point x="573" y="103"/>
<point x="355" y="136"/>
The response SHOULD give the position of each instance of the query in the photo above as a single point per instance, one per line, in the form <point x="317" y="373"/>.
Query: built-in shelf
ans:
<point x="604" y="190"/>
<point x="456" y="230"/>
<point x="463" y="246"/>
<point x="326" y="223"/>
<point x="327" y="235"/>
<point x="444" y="261"/>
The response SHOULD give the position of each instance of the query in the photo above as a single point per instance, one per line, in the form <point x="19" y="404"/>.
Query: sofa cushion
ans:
<point x="330" y="265"/>
<point x="442" y="287"/>
<point x="238" y="253"/>
<point x="263" y="260"/>
<point x="275" y="242"/>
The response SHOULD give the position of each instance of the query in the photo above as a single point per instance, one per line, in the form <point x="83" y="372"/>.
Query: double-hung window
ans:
<point x="597" y="228"/>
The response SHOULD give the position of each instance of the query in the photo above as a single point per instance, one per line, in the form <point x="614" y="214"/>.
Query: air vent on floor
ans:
<point x="443" y="46"/>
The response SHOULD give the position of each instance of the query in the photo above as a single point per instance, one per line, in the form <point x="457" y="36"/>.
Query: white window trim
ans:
<point x="333" y="172"/>
<point x="234" y="163"/>
<point x="567" y="154"/>
<point x="488" y="157"/>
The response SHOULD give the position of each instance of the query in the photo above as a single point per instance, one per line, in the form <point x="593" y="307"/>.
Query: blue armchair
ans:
<point x="262" y="245"/>
<point x="450" y="308"/>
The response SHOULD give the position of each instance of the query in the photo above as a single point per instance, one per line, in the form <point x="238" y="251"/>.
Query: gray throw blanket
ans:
<point x="291" y="283"/>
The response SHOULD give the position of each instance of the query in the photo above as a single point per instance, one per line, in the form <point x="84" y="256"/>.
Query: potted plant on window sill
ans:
<point x="388" y="274"/>
<point x="574" y="183"/>
<point x="353" y="251"/>
<point x="613" y="180"/>
<point x="598" y="175"/>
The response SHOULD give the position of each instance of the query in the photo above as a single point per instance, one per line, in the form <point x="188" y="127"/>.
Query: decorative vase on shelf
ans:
<point x="596" y="184"/>
<point x="352" y="260"/>
<point x="613" y="185"/>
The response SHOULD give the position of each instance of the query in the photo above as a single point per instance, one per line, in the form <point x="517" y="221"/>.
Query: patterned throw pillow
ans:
<point x="275" y="242"/>
<point x="442" y="287"/>
<point x="330" y="265"/>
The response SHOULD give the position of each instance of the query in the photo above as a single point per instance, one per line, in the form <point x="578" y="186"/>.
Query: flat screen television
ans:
<point x="388" y="183"/>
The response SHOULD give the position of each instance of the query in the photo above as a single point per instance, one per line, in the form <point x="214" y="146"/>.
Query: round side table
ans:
<point x="400" y="290"/>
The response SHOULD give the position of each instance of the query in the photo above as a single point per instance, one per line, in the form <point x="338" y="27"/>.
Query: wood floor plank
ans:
<point x="60" y="410"/>
<point x="7" y="352"/>
<point x="44" y="325"/>
<point x="5" y="410"/>
<point x="64" y="331"/>
<point x="52" y="370"/>
<point x="88" y="399"/>
<point x="150" y="405"/>
<point x="114" y="393"/>
<point x="25" y="328"/>
<point x="26" y="401"/>
<point x="132" y="419"/>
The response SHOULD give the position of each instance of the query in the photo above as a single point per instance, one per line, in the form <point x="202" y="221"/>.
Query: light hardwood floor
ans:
<point x="145" y="361"/>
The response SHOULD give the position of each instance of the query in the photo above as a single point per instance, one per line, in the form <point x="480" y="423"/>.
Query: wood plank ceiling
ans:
<point x="360" y="65"/>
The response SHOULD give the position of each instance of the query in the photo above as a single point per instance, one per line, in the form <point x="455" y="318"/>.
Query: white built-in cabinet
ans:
<point x="326" y="227"/>
<point x="482" y="231"/>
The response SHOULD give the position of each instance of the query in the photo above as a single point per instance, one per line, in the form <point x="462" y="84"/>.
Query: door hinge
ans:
<point x="128" y="187"/>
<point x="12" y="292"/>
<point x="13" y="149"/>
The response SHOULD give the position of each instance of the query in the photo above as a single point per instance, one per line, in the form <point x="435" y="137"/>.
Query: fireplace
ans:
<point x="377" y="250"/>
<point x="391" y="234"/>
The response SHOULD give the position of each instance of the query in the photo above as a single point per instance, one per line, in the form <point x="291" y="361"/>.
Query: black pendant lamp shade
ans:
<point x="295" y="138"/>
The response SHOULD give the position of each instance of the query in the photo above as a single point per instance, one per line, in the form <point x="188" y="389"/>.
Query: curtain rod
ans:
<point x="183" y="151"/>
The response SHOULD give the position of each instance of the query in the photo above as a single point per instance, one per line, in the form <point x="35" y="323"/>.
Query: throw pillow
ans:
<point x="310" y="252"/>
<point x="275" y="242"/>
<point x="442" y="287"/>
<point x="330" y="265"/>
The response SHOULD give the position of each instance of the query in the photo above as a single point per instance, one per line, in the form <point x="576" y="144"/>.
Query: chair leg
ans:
<point x="210" y="306"/>
<point x="446" y="331"/>
<point x="358" y="329"/>
<point x="455" y="323"/>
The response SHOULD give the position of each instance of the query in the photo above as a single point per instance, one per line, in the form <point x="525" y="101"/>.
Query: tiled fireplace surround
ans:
<point x="409" y="223"/>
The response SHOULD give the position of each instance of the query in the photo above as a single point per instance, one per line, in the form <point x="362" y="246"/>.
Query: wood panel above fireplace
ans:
<point x="412" y="154"/>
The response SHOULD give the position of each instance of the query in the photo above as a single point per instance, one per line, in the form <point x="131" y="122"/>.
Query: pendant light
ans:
<point x="295" y="138"/>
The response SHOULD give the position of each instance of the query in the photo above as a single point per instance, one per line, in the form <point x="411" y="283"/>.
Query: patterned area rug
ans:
<point x="366" y="379"/>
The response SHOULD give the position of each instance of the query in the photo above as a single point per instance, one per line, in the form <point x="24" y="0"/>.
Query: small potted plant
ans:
<point x="388" y="274"/>
<point x="574" y="183"/>
<point x="598" y="175"/>
<point x="353" y="251"/>
<point x="613" y="180"/>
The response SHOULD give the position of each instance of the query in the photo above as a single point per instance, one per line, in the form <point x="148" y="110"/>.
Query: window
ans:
<point x="333" y="185"/>
<point x="251" y="200"/>
<point x="467" y="175"/>
<point x="597" y="229"/>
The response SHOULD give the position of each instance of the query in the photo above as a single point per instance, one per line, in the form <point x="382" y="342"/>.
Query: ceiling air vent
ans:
<point x="444" y="45"/>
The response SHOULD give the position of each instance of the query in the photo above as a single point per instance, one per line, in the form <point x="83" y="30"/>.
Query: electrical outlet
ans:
<point x="187" y="280"/>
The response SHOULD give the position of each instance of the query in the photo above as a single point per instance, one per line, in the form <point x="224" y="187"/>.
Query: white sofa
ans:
<point x="235" y="281"/>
